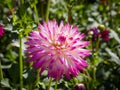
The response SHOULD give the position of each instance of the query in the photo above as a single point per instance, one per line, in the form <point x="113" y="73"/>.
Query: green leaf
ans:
<point x="115" y="36"/>
<point x="114" y="57"/>
<point x="5" y="83"/>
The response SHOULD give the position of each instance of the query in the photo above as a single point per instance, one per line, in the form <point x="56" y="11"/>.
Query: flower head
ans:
<point x="105" y="35"/>
<point x="1" y="30"/>
<point x="60" y="49"/>
<point x="94" y="32"/>
<point x="79" y="87"/>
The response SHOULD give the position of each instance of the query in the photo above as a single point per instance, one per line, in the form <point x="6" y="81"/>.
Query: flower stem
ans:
<point x="47" y="10"/>
<point x="20" y="61"/>
<point x="70" y="14"/>
<point x="110" y="10"/>
<point x="97" y="45"/>
<point x="1" y="73"/>
<point x="49" y="83"/>
<point x="36" y="12"/>
<point x="56" y="85"/>
<point x="22" y="1"/>
<point x="42" y="8"/>
<point x="38" y="78"/>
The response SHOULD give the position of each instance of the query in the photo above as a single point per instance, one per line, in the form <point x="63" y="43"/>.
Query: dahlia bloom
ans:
<point x="105" y="35"/>
<point x="95" y="33"/>
<point x="1" y="30"/>
<point x="59" y="49"/>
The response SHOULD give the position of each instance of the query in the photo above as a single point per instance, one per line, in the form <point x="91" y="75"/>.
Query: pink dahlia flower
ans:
<point x="105" y="35"/>
<point x="1" y="30"/>
<point x="59" y="49"/>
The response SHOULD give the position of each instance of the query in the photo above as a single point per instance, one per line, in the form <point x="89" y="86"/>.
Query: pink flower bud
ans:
<point x="79" y="87"/>
<point x="1" y="31"/>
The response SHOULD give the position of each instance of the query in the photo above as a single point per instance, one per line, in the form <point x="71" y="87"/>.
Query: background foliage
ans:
<point x="22" y="16"/>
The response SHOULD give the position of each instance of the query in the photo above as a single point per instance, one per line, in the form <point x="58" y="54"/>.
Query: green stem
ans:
<point x="49" y="83"/>
<point x="70" y="14"/>
<point x="38" y="75"/>
<point x="56" y="85"/>
<point x="36" y="12"/>
<point x="1" y="73"/>
<point x="93" y="87"/>
<point x="30" y="64"/>
<point x="110" y="10"/>
<point x="87" y="80"/>
<point x="22" y="1"/>
<point x="47" y="10"/>
<point x="38" y="78"/>
<point x="97" y="45"/>
<point x="20" y="61"/>
<point x="42" y="8"/>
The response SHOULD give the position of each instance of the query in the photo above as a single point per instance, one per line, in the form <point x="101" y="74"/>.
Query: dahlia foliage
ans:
<point x="59" y="49"/>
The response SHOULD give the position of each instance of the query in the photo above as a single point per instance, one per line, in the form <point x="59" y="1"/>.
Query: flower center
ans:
<point x="62" y="39"/>
<point x="60" y="43"/>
